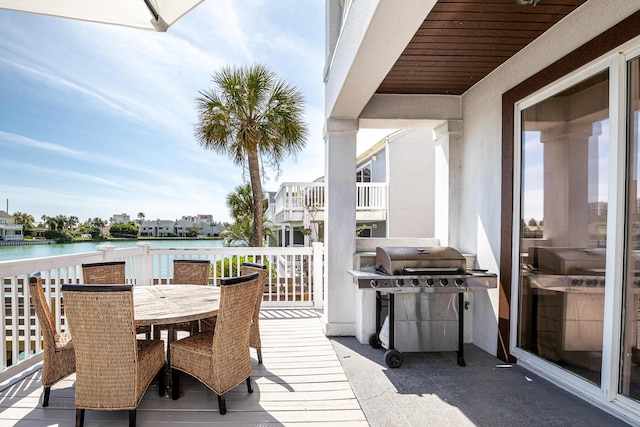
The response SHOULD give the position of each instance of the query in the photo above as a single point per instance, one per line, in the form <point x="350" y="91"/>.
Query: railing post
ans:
<point x="318" y="279"/>
<point x="143" y="272"/>
<point x="108" y="251"/>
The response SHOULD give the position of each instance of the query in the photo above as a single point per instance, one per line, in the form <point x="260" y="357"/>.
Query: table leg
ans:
<point x="171" y="336"/>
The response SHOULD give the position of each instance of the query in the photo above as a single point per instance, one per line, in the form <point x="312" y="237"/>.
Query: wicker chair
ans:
<point x="113" y="368"/>
<point x="59" y="356"/>
<point x="220" y="359"/>
<point x="254" y="340"/>
<point x="187" y="272"/>
<point x="104" y="273"/>
<point x="109" y="273"/>
<point x="191" y="271"/>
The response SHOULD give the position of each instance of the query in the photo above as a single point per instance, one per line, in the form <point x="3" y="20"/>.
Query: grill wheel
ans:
<point x="374" y="341"/>
<point x="393" y="358"/>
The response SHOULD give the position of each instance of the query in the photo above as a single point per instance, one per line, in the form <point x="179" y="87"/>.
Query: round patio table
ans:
<point x="171" y="304"/>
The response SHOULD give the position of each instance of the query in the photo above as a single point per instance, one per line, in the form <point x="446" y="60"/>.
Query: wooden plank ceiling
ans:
<point x="461" y="41"/>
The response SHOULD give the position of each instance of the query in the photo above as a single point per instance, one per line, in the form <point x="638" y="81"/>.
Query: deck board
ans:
<point x="301" y="383"/>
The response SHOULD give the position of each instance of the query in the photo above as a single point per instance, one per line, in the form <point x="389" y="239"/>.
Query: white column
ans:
<point x="340" y="225"/>
<point x="283" y="235"/>
<point x="318" y="260"/>
<point x="447" y="182"/>
<point x="291" y="235"/>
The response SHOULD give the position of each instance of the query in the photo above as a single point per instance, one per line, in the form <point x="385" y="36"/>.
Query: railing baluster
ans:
<point x="15" y="339"/>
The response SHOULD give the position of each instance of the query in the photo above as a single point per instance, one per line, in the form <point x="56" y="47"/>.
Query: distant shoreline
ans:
<point x="31" y="242"/>
<point x="27" y="242"/>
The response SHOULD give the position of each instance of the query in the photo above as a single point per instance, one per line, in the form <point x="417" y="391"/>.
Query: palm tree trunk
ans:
<point x="256" y="189"/>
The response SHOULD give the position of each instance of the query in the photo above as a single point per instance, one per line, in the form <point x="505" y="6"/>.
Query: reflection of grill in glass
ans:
<point x="567" y="291"/>
<point x="419" y="287"/>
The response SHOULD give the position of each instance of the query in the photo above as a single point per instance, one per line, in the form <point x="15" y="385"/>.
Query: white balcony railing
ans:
<point x="294" y="198"/>
<point x="294" y="279"/>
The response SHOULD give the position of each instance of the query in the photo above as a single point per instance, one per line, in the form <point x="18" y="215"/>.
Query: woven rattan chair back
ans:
<point x="104" y="273"/>
<point x="109" y="371"/>
<point x="231" y="358"/>
<point x="220" y="358"/>
<point x="109" y="273"/>
<point x="261" y="269"/>
<point x="59" y="357"/>
<point x="191" y="271"/>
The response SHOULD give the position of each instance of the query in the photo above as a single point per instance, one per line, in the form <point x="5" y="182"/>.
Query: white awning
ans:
<point x="155" y="15"/>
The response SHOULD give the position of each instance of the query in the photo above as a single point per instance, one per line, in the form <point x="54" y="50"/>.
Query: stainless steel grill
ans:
<point x="419" y="286"/>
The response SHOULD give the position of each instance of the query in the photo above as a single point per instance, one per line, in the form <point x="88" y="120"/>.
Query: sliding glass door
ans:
<point x="563" y="226"/>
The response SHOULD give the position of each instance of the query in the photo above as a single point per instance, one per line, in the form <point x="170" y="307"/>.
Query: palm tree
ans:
<point x="28" y="221"/>
<point x="255" y="119"/>
<point x="241" y="208"/>
<point x="240" y="202"/>
<point x="140" y="219"/>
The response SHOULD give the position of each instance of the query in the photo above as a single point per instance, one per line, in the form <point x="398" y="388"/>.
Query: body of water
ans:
<point x="8" y="253"/>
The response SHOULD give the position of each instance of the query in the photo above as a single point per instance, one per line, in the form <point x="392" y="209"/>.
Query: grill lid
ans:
<point x="419" y="260"/>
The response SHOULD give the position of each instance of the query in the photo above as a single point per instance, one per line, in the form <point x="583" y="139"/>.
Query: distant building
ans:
<point x="207" y="227"/>
<point x="158" y="228"/>
<point x="121" y="218"/>
<point x="9" y="230"/>
<point x="181" y="228"/>
<point x="198" y="218"/>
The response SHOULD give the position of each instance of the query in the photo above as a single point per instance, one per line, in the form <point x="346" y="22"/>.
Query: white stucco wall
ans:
<point x="411" y="183"/>
<point x="479" y="219"/>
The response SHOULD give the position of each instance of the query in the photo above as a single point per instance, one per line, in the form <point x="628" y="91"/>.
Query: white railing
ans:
<point x="371" y="196"/>
<point x="300" y="196"/>
<point x="295" y="278"/>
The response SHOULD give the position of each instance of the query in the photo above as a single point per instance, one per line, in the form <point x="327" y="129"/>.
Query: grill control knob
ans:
<point x="430" y="282"/>
<point x="444" y="282"/>
<point x="414" y="282"/>
<point x="400" y="282"/>
<point x="374" y="283"/>
<point x="458" y="282"/>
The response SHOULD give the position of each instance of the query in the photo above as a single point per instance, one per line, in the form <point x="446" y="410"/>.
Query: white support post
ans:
<point x="283" y="235"/>
<point x="340" y="225"/>
<point x="143" y="272"/>
<point x="108" y="251"/>
<point x="318" y="260"/>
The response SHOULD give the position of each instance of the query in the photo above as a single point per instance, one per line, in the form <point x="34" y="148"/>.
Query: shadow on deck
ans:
<point x="308" y="379"/>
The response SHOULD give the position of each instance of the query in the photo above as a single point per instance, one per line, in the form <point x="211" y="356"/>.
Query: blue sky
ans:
<point x="98" y="119"/>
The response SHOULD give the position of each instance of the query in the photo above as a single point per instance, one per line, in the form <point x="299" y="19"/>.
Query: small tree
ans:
<point x="127" y="231"/>
<point x="241" y="206"/>
<point x="140" y="218"/>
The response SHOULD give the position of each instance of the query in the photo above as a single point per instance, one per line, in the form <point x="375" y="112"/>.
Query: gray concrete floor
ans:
<point x="430" y="389"/>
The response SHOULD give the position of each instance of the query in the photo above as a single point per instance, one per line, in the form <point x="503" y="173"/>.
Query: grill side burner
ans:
<point x="425" y="322"/>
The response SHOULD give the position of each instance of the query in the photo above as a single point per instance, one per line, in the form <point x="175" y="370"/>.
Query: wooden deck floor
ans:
<point x="301" y="383"/>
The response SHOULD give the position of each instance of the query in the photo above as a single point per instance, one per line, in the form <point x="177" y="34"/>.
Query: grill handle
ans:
<point x="431" y="270"/>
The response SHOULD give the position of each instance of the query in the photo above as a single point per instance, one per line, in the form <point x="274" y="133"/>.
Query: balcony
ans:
<point x="295" y="200"/>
